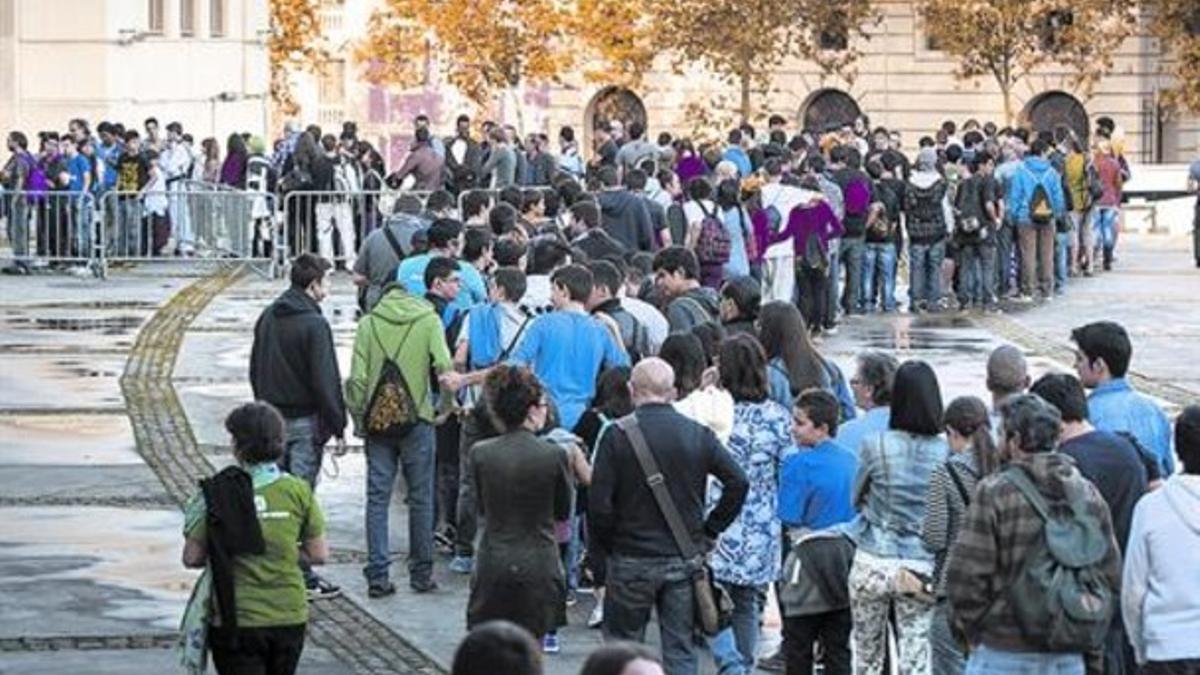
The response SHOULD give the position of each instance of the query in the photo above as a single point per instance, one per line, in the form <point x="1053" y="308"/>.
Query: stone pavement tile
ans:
<point x="314" y="661"/>
<point x="90" y="439"/>
<point x="61" y="381"/>
<point x="91" y="571"/>
<point x="81" y="483"/>
<point x="1152" y="291"/>
<point x="118" y="289"/>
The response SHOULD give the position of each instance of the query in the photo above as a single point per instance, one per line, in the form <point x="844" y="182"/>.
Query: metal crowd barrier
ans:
<point x="333" y="224"/>
<point x="192" y="224"/>
<point x="50" y="227"/>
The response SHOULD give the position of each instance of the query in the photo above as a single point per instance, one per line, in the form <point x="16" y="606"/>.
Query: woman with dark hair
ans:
<point x="894" y="470"/>
<point x="233" y="170"/>
<point x="211" y="151"/>
<point x="737" y="225"/>
<point x="973" y="456"/>
<point x="622" y="658"/>
<point x="707" y="405"/>
<point x="252" y="570"/>
<point x="747" y="555"/>
<point x="612" y="401"/>
<point x="794" y="362"/>
<point x="741" y="298"/>
<point x="522" y="486"/>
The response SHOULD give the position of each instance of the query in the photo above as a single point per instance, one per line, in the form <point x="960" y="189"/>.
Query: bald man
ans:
<point x="645" y="567"/>
<point x="1007" y="374"/>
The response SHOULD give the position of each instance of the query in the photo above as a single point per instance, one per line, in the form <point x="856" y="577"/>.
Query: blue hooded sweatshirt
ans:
<point x="1032" y="172"/>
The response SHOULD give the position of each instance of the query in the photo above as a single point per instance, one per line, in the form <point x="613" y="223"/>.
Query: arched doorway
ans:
<point x="827" y="109"/>
<point x="613" y="103"/>
<point x="1054" y="109"/>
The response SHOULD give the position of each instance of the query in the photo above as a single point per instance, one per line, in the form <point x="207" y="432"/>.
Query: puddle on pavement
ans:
<point x="96" y="304"/>
<point x="113" y="325"/>
<point x="67" y="440"/>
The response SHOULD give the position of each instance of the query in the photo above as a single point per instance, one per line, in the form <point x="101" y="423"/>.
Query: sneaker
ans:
<point x="423" y="585"/>
<point x="831" y="330"/>
<point x="320" y="589"/>
<point x="572" y="599"/>
<point x="775" y="663"/>
<point x="381" y="589"/>
<point x="596" y="618"/>
<point x="1024" y="298"/>
<point x="462" y="564"/>
<point x="550" y="644"/>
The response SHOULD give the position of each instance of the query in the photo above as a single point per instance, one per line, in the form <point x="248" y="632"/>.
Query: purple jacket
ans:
<point x="690" y="167"/>
<point x="818" y="219"/>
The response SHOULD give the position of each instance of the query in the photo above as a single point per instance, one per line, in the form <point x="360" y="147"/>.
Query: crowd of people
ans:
<point x="616" y="383"/>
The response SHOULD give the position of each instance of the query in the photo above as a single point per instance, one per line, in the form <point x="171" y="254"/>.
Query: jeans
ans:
<point x="831" y="629"/>
<point x="1082" y="240"/>
<point x="1037" y="259"/>
<point x="131" y="240"/>
<point x="851" y="253"/>
<point x="1106" y="229"/>
<point x="835" y="270"/>
<point x="945" y="651"/>
<point x="987" y="661"/>
<point x="1006" y="235"/>
<point x="466" y="514"/>
<point x="82" y="214"/>
<point x="18" y="228"/>
<point x="813" y="297"/>
<point x="637" y="585"/>
<point x="1062" y="260"/>
<point x="925" y="273"/>
<point x="300" y="456"/>
<point x="977" y="277"/>
<point x="267" y="650"/>
<point x="879" y="260"/>
<point x="413" y="452"/>
<point x="734" y="648"/>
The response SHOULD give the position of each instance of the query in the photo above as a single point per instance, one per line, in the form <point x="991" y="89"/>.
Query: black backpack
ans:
<point x="924" y="204"/>
<point x="1060" y="598"/>
<point x="392" y="412"/>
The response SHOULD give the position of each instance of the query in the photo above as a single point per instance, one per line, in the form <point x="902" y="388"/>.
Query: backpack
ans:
<point x="633" y="334"/>
<point x="748" y="238"/>
<point x="968" y="225"/>
<point x="774" y="218"/>
<point x="857" y="196"/>
<point x="1060" y="597"/>
<point x="391" y="412"/>
<point x="1041" y="211"/>
<point x="696" y="311"/>
<point x="924" y="204"/>
<point x="815" y="256"/>
<point x="714" y="245"/>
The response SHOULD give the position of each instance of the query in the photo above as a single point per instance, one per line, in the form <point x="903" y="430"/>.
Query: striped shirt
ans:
<point x="945" y="507"/>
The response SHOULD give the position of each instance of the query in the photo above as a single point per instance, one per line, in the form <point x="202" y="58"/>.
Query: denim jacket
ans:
<point x="889" y="492"/>
<point x="1115" y="406"/>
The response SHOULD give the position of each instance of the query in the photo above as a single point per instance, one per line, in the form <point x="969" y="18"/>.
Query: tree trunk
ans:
<point x="1006" y="91"/>
<point x="744" y="107"/>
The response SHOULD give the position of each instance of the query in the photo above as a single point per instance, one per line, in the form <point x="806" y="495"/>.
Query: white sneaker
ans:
<point x="596" y="618"/>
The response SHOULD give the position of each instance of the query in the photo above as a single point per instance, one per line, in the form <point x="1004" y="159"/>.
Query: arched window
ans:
<point x="614" y="103"/>
<point x="1055" y="110"/>
<point x="829" y="108"/>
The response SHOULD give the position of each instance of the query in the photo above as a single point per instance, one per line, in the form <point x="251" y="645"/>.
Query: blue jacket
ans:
<point x="1034" y="171"/>
<point x="890" y="492"/>
<point x="1114" y="406"/>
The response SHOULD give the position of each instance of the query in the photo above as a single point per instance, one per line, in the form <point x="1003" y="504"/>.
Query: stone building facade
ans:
<point x="902" y="83"/>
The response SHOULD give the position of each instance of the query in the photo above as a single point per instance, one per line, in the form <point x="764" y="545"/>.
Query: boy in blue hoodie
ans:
<point x="1036" y="204"/>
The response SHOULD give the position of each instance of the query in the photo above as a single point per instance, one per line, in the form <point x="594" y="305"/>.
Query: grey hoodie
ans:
<point x="1160" y="592"/>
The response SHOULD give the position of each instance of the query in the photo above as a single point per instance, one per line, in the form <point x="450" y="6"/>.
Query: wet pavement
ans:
<point x="89" y="539"/>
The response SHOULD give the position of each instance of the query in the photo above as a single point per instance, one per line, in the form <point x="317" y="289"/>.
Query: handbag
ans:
<point x="714" y="607"/>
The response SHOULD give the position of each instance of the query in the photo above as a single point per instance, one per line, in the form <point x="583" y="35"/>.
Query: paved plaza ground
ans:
<point x="112" y="395"/>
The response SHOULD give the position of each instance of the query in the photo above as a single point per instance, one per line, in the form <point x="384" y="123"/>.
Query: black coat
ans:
<point x="292" y="363"/>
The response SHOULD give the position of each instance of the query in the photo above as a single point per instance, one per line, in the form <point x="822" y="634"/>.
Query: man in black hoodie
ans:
<point x="623" y="214"/>
<point x="294" y="368"/>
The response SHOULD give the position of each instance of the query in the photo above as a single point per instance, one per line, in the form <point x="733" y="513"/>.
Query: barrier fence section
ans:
<point x="193" y="224"/>
<point x="50" y="226"/>
<point x="333" y="223"/>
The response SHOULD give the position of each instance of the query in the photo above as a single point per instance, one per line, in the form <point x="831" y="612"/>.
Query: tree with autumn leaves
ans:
<point x="1009" y="40"/>
<point x="1177" y="24"/>
<point x="491" y="47"/>
<point x="294" y="44"/>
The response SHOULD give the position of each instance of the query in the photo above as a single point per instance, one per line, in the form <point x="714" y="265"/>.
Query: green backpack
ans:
<point x="1061" y="598"/>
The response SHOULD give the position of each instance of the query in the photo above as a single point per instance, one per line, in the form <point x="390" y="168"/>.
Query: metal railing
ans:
<point x="50" y="227"/>
<point x="333" y="224"/>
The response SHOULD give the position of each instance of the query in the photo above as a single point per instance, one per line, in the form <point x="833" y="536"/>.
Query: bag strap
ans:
<point x="958" y="483"/>
<point x="375" y="334"/>
<point x="1026" y="487"/>
<point x="391" y="237"/>
<point x="658" y="486"/>
<point x="516" y="338"/>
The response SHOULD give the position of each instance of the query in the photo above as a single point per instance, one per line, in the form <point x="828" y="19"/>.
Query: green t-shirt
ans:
<point x="269" y="588"/>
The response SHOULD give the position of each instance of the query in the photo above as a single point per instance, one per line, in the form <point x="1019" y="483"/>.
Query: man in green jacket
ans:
<point x="405" y="329"/>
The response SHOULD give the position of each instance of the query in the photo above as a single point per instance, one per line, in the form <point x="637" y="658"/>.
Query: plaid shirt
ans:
<point x="1001" y="528"/>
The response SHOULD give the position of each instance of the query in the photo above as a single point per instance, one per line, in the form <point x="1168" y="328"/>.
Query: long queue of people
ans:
<point x="1024" y="533"/>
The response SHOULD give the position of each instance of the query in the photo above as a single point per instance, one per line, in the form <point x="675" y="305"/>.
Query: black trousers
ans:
<point x="812" y="288"/>
<point x="1180" y="667"/>
<point x="273" y="650"/>
<point x="831" y="629"/>
<point x="446" y="444"/>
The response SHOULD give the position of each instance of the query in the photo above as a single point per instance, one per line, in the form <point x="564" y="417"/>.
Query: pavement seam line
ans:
<point x="166" y="442"/>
